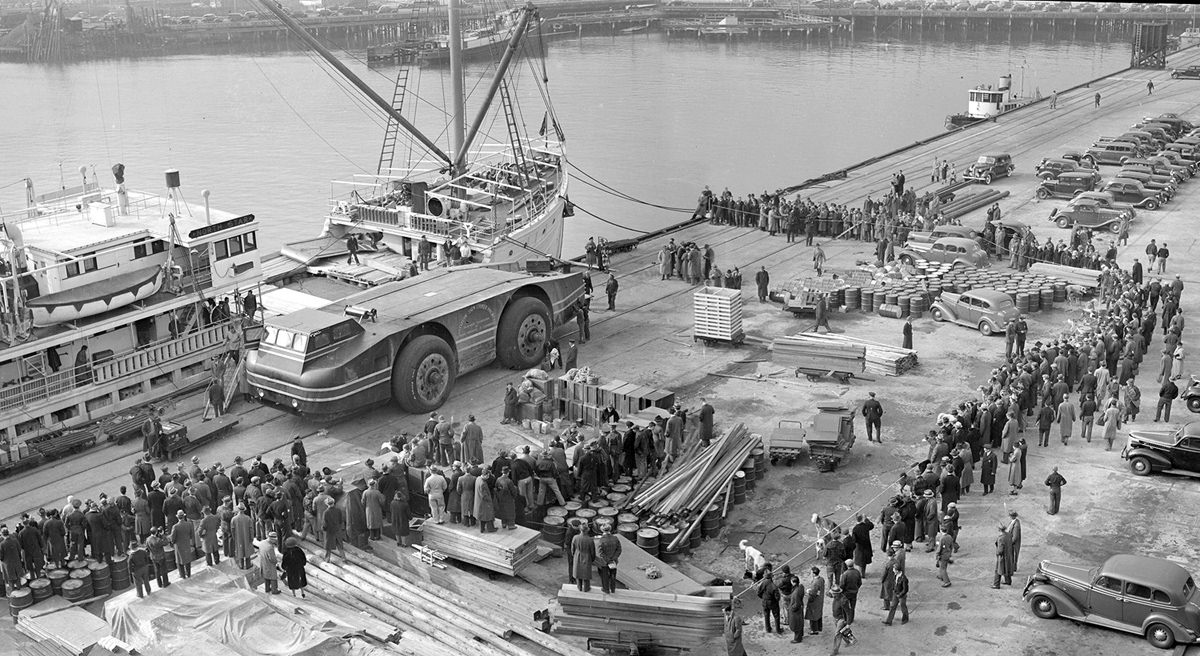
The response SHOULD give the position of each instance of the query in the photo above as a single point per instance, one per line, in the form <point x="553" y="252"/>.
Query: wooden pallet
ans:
<point x="504" y="551"/>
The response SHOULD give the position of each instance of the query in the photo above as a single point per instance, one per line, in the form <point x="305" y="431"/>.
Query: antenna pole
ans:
<point x="458" y="146"/>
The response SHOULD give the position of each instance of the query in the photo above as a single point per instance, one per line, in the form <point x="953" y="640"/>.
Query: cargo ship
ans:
<point x="112" y="299"/>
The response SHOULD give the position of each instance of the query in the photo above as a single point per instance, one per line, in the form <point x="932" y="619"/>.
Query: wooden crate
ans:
<point x="718" y="313"/>
<point x="507" y="552"/>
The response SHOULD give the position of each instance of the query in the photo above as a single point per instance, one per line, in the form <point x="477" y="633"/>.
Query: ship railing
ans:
<point x="113" y="368"/>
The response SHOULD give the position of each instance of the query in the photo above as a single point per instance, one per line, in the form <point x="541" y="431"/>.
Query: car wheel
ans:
<point x="937" y="314"/>
<point x="1193" y="404"/>
<point x="985" y="329"/>
<point x="1062" y="222"/>
<point x="1140" y="465"/>
<point x="987" y="178"/>
<point x="906" y="260"/>
<point x="1152" y="205"/>
<point x="1042" y="193"/>
<point x="1044" y="607"/>
<point x="1160" y="636"/>
<point x="1114" y="228"/>
<point x="1091" y="161"/>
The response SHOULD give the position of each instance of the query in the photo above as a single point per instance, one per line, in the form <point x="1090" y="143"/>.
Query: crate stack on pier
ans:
<point x="580" y="400"/>
<point x="718" y="315"/>
<point x="658" y="619"/>
<point x="833" y="352"/>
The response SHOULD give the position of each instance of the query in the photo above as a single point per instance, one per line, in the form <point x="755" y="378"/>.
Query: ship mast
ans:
<point x="458" y="145"/>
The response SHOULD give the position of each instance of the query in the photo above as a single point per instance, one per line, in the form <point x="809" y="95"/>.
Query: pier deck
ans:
<point x="648" y="340"/>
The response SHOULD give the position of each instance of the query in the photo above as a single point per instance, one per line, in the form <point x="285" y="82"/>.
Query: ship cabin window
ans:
<point x="236" y="245"/>
<point x="79" y="267"/>
<point x="286" y="339"/>
<point x="149" y="248"/>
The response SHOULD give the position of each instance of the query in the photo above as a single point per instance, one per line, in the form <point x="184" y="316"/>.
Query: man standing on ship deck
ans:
<point x="352" y="249"/>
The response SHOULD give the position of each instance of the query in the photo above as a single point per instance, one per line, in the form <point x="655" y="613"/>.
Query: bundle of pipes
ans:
<point x="695" y="481"/>
<point x="883" y="359"/>
<point x="435" y="620"/>
<point x="966" y="203"/>
<point x="1086" y="278"/>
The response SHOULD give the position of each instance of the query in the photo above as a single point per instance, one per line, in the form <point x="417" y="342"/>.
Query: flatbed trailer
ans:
<point x="409" y="341"/>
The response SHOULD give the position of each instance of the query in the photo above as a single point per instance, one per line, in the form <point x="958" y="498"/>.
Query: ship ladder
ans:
<point x="388" y="151"/>
<point x="514" y="132"/>
<point x="232" y="377"/>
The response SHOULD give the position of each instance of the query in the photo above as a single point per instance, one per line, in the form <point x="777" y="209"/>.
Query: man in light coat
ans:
<point x="373" y="507"/>
<point x="583" y="557"/>
<point x="241" y="528"/>
<point x="1065" y="418"/>
<point x="608" y="552"/>
<point x="268" y="563"/>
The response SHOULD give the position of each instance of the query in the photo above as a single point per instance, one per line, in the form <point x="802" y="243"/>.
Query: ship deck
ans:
<point x="648" y="339"/>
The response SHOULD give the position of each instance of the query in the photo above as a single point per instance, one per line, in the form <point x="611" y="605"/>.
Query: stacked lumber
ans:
<point x="319" y="614"/>
<point x="57" y="622"/>
<point x="436" y="621"/>
<point x="798" y="351"/>
<point x="966" y="203"/>
<point x="882" y="359"/>
<point x="1087" y="278"/>
<point x="694" y="482"/>
<point x="664" y="620"/>
<point x="635" y="562"/>
<point x="507" y="552"/>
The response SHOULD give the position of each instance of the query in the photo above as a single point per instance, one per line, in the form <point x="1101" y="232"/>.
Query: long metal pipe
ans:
<point x="509" y="52"/>
<point x="296" y="28"/>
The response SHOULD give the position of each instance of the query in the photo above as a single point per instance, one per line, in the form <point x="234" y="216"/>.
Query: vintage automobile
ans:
<point x="1174" y="119"/>
<point x="1102" y="199"/>
<point x="1175" y="159"/>
<point x="985" y="309"/>
<point x="989" y="167"/>
<point x="1067" y="185"/>
<point x="1189" y="73"/>
<point x="1132" y="192"/>
<point x="1089" y="216"/>
<point x="1160" y="183"/>
<point x="1051" y="168"/>
<point x="1151" y="597"/>
<point x="1158" y="165"/>
<point x="1168" y="452"/>
<point x="1185" y="152"/>
<point x="922" y="237"/>
<point x="1161" y="131"/>
<point x="1111" y="152"/>
<point x="952" y="250"/>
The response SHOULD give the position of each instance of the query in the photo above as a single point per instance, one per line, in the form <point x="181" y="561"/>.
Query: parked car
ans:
<point x="1111" y="152"/>
<point x="952" y="250"/>
<point x="1068" y="185"/>
<point x="1102" y="199"/>
<point x="921" y="237"/>
<point x="1183" y="151"/>
<point x="989" y="167"/>
<point x="1175" y="159"/>
<point x="1160" y="183"/>
<point x="1051" y="168"/>
<point x="1086" y="215"/>
<point x="1168" y="452"/>
<point x="1156" y="130"/>
<point x="1147" y="596"/>
<point x="1189" y="73"/>
<point x="1158" y="166"/>
<point x="985" y="309"/>
<point x="1132" y="192"/>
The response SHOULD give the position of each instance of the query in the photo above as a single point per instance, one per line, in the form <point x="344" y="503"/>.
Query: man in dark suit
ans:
<point x="608" y="551"/>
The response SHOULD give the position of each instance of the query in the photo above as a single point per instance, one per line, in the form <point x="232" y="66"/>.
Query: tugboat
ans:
<point x="984" y="102"/>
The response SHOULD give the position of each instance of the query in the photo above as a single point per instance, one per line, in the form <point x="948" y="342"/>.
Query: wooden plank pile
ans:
<point x="633" y="565"/>
<point x="1087" y="278"/>
<point x="318" y="613"/>
<point x="718" y="314"/>
<point x="58" y="622"/>
<point x="694" y="482"/>
<point x="665" y="620"/>
<point x="436" y="621"/>
<point x="882" y="359"/>
<point x="798" y="351"/>
<point x="507" y="552"/>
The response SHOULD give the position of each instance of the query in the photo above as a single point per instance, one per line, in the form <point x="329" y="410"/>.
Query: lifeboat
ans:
<point x="96" y="297"/>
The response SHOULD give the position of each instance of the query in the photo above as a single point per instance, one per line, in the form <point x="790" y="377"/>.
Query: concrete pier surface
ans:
<point x="1106" y="509"/>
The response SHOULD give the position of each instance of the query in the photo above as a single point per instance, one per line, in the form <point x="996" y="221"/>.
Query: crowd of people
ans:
<point x="1067" y="385"/>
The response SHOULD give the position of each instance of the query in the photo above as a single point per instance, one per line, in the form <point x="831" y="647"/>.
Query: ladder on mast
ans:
<point x="388" y="151"/>
<point x="514" y="132"/>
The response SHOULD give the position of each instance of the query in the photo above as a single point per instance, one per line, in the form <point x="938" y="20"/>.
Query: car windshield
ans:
<point x="984" y="159"/>
<point x="1189" y="588"/>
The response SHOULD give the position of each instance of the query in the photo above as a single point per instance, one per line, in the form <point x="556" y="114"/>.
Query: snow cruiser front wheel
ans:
<point x="423" y="374"/>
<point x="522" y="333"/>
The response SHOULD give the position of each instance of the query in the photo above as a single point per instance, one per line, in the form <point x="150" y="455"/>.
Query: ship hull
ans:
<point x="534" y="242"/>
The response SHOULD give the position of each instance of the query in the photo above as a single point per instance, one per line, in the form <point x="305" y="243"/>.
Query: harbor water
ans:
<point x="655" y="118"/>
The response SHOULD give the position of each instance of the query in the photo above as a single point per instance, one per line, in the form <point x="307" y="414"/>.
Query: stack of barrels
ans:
<point x="914" y="297"/>
<point x="57" y="578"/>
<point x="78" y="585"/>
<point x="19" y="600"/>
<point x="101" y="578"/>
<point x="41" y="589"/>
<point x="120" y="572"/>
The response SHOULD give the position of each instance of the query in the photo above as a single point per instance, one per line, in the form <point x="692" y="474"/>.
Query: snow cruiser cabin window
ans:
<point x="286" y="339"/>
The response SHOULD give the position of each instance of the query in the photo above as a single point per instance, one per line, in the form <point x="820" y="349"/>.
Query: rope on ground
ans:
<point x="886" y="490"/>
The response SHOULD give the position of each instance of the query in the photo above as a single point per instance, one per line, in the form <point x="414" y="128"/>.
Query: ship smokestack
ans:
<point x="118" y="171"/>
<point x="1005" y="82"/>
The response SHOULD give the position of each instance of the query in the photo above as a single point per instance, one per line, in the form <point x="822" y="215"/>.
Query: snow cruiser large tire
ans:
<point x="423" y="374"/>
<point x="523" y="332"/>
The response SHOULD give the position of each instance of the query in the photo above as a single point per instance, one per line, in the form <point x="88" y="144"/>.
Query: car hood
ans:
<point x="1158" y="437"/>
<point x="1080" y="575"/>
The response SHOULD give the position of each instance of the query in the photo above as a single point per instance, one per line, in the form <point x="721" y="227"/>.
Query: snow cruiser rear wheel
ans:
<point x="424" y="374"/>
<point x="522" y="333"/>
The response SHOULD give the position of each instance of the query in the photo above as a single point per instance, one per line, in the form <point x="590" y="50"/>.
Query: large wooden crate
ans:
<point x="718" y="314"/>
<point x="504" y="551"/>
